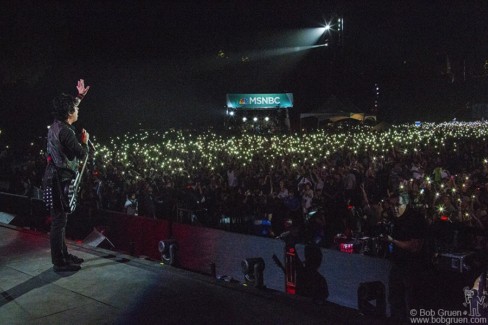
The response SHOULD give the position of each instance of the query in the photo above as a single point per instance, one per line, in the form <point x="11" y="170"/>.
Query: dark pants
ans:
<point x="404" y="289"/>
<point x="59" y="251"/>
<point x="55" y="199"/>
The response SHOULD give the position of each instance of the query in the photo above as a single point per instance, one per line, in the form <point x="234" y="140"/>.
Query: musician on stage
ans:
<point x="64" y="152"/>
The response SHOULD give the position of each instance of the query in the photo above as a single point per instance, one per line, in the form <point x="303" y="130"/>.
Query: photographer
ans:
<point x="131" y="205"/>
<point x="408" y="259"/>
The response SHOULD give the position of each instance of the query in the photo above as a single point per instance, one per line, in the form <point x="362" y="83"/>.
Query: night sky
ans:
<point x="157" y="64"/>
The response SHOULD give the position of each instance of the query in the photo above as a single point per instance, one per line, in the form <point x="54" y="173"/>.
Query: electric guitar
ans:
<point x="74" y="186"/>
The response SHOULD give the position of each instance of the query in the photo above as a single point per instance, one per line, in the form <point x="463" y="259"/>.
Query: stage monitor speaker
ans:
<point x="97" y="239"/>
<point x="6" y="218"/>
<point x="372" y="298"/>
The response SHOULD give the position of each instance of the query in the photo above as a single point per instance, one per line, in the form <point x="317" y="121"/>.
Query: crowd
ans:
<point x="318" y="184"/>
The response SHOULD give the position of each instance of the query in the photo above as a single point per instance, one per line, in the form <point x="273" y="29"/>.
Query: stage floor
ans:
<point x="113" y="288"/>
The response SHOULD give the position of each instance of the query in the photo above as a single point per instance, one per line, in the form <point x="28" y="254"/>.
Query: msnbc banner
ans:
<point x="259" y="101"/>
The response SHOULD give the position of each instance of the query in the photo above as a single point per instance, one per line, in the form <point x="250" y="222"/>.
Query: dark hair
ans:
<point x="63" y="105"/>
<point x="394" y="194"/>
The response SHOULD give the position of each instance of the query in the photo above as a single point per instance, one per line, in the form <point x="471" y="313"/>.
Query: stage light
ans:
<point x="231" y="113"/>
<point x="168" y="248"/>
<point x="244" y="119"/>
<point x="253" y="271"/>
<point x="266" y="119"/>
<point x="255" y="119"/>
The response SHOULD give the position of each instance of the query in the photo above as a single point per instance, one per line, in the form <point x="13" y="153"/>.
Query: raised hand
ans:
<point x="82" y="90"/>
